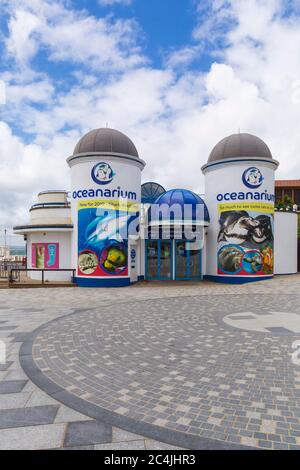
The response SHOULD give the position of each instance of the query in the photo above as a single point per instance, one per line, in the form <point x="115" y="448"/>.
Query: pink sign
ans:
<point x="45" y="255"/>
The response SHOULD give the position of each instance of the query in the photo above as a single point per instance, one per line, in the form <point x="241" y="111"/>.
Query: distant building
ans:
<point x="4" y="252"/>
<point x="289" y="188"/>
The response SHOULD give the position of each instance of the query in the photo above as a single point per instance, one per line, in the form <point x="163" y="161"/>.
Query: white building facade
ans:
<point x="98" y="231"/>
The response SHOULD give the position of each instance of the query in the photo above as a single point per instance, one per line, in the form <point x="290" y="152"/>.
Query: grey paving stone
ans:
<point x="32" y="437"/>
<point x="120" y="435"/>
<point x="14" y="400"/>
<point x="150" y="444"/>
<point x="152" y="335"/>
<point x="87" y="432"/>
<point x="20" y="337"/>
<point x="6" y="366"/>
<point x="131" y="445"/>
<point x="12" y="386"/>
<point x="79" y="448"/>
<point x="17" y="417"/>
<point x="40" y="398"/>
<point x="67" y="415"/>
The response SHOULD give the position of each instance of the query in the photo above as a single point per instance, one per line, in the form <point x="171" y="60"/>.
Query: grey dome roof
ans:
<point x="240" y="145"/>
<point x="106" y="140"/>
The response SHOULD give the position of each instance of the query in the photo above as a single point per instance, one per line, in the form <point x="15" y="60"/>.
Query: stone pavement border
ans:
<point x="151" y="431"/>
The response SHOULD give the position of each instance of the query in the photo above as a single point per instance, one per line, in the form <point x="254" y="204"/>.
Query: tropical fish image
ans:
<point x="267" y="254"/>
<point x="114" y="259"/>
<point x="230" y="258"/>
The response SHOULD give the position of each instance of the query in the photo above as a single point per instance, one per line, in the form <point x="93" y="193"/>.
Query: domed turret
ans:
<point x="240" y="145"/>
<point x="106" y="140"/>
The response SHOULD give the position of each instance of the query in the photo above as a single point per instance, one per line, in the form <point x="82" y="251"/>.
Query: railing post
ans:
<point x="42" y="276"/>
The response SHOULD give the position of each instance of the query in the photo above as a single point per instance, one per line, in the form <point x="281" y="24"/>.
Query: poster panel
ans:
<point x="245" y="238"/>
<point x="103" y="237"/>
<point x="45" y="255"/>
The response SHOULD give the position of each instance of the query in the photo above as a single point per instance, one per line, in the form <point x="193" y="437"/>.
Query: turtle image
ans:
<point x="255" y="261"/>
<point x="115" y="259"/>
<point x="230" y="258"/>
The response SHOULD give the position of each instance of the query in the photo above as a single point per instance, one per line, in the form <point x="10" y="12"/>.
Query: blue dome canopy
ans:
<point x="182" y="198"/>
<point x="151" y="191"/>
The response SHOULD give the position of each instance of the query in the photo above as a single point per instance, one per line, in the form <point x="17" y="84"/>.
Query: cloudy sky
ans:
<point x="175" y="75"/>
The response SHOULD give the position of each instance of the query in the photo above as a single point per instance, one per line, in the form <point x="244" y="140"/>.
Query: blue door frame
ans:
<point x="173" y="265"/>
<point x="187" y="276"/>
<point x="158" y="270"/>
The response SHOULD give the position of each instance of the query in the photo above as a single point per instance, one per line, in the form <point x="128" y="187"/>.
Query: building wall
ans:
<point x="64" y="240"/>
<point x="285" y="243"/>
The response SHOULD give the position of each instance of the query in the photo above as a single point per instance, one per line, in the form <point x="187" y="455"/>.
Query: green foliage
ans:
<point x="286" y="203"/>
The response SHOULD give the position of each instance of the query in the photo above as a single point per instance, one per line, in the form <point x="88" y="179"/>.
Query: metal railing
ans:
<point x="7" y="266"/>
<point x="15" y="274"/>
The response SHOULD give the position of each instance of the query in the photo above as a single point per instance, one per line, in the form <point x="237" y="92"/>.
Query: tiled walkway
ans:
<point x="196" y="366"/>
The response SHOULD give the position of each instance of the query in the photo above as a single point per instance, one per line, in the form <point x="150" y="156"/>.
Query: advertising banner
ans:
<point x="45" y="255"/>
<point x="245" y="238"/>
<point x="103" y="236"/>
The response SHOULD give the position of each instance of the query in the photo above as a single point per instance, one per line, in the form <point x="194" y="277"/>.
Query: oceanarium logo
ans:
<point x="252" y="178"/>
<point x="102" y="173"/>
<point x="250" y="195"/>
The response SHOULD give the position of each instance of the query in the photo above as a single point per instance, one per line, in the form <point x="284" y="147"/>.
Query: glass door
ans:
<point x="181" y="264"/>
<point x="151" y="259"/>
<point x="165" y="271"/>
<point x="159" y="259"/>
<point x="187" y="261"/>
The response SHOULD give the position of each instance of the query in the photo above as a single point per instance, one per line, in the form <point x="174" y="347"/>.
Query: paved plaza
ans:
<point x="152" y="366"/>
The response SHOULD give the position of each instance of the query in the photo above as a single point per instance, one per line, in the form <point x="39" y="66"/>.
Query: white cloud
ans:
<point x="183" y="57"/>
<point x="71" y="36"/>
<point x="2" y="92"/>
<point x="114" y="2"/>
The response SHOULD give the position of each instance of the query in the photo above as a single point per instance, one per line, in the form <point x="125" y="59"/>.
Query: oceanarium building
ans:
<point x="113" y="231"/>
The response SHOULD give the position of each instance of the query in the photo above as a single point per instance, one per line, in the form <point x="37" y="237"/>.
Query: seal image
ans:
<point x="236" y="226"/>
<point x="263" y="232"/>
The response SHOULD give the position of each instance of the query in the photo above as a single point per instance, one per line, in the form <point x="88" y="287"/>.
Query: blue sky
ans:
<point x="174" y="75"/>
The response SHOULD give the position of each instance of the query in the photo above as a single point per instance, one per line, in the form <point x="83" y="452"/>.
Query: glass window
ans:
<point x="181" y="260"/>
<point x="165" y="259"/>
<point x="152" y="258"/>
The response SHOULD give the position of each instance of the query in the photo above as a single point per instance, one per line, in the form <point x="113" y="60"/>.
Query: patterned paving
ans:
<point x="178" y="366"/>
<point x="164" y="372"/>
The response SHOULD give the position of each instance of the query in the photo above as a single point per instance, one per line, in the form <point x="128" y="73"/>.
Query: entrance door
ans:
<point x="187" y="261"/>
<point x="158" y="259"/>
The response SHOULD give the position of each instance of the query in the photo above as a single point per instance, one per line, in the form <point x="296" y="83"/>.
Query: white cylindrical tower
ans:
<point x="239" y="193"/>
<point x="105" y="198"/>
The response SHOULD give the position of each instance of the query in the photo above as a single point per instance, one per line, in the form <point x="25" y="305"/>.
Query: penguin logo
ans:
<point x="252" y="178"/>
<point x="102" y="173"/>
